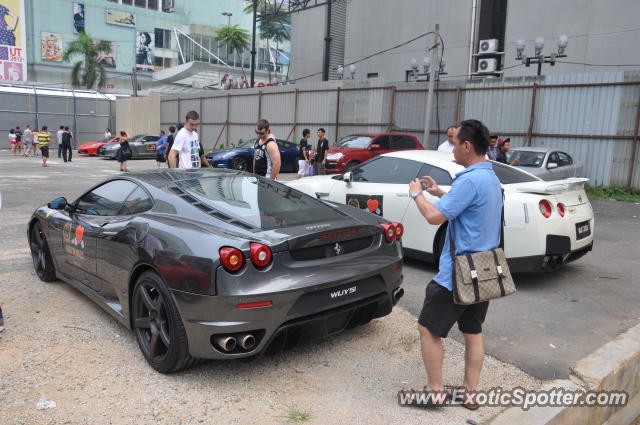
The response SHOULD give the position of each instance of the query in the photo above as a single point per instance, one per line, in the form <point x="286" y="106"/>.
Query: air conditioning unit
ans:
<point x="487" y="66"/>
<point x="167" y="6"/>
<point x="488" y="46"/>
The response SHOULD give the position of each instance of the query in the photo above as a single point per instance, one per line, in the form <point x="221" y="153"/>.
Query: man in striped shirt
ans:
<point x="43" y="143"/>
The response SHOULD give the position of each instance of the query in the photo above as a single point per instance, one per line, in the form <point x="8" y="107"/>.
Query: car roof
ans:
<point x="443" y="160"/>
<point x="164" y="177"/>
<point x="533" y="149"/>
<point x="379" y="134"/>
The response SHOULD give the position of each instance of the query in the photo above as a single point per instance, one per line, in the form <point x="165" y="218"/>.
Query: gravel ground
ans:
<point x="59" y="345"/>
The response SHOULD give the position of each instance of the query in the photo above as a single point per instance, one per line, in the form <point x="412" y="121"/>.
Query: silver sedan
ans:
<point x="546" y="163"/>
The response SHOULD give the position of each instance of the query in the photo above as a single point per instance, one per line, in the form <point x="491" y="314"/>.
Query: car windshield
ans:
<point x="527" y="158"/>
<point x="259" y="202"/>
<point x="356" y="142"/>
<point x="247" y="144"/>
<point x="509" y="175"/>
<point x="105" y="140"/>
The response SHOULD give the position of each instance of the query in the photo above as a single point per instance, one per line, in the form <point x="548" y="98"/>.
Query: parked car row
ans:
<point x="546" y="163"/>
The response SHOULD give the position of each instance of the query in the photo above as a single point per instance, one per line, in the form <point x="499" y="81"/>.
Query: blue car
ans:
<point x="241" y="157"/>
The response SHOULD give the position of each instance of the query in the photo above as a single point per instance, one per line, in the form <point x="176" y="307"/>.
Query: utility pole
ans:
<point x="435" y="67"/>
<point x="253" y="44"/>
<point x="327" y="45"/>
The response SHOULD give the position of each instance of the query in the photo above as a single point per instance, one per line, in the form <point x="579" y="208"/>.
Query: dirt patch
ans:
<point x="59" y="345"/>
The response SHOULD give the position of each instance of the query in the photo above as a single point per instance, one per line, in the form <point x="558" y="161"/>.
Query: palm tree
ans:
<point x="234" y="38"/>
<point x="273" y="23"/>
<point x="87" y="72"/>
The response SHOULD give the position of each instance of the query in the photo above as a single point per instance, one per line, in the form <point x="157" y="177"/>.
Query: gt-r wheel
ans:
<point x="158" y="326"/>
<point x="239" y="163"/>
<point x="41" y="255"/>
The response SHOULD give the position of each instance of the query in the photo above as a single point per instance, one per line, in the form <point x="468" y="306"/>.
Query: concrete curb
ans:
<point x="614" y="366"/>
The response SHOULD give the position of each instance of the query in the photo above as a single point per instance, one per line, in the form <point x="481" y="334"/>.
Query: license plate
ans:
<point x="583" y="230"/>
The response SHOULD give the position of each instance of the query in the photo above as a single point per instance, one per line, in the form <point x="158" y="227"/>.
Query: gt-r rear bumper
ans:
<point x="550" y="261"/>
<point x="307" y="312"/>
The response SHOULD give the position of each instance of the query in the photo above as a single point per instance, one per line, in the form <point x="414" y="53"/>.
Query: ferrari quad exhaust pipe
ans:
<point x="225" y="343"/>
<point x="247" y="341"/>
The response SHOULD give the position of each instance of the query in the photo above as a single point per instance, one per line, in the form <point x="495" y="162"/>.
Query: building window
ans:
<point x="152" y="4"/>
<point x="141" y="3"/>
<point x="127" y="2"/>
<point x="159" y="41"/>
<point x="372" y="75"/>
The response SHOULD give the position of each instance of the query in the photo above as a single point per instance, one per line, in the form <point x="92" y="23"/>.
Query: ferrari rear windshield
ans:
<point x="261" y="203"/>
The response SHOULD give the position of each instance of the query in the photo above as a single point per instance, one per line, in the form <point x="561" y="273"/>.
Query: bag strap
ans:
<point x="474" y="277"/>
<point x="502" y="222"/>
<point x="500" y="272"/>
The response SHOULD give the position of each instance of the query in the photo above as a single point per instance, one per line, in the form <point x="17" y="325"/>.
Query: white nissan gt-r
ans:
<point x="547" y="223"/>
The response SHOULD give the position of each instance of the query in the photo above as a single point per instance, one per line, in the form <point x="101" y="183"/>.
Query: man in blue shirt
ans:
<point x="161" y="149"/>
<point x="473" y="209"/>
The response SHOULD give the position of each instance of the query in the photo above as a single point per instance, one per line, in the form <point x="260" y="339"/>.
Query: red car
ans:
<point x="91" y="148"/>
<point x="357" y="148"/>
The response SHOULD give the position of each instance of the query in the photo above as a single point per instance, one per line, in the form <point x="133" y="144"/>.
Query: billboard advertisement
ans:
<point x="120" y="17"/>
<point x="144" y="51"/>
<point x="51" y="46"/>
<point x="13" y="54"/>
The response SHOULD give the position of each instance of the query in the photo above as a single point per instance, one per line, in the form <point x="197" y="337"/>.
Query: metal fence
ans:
<point x="87" y="113"/>
<point x="593" y="117"/>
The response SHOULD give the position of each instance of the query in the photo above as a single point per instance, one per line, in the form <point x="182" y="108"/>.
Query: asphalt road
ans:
<point x="552" y="321"/>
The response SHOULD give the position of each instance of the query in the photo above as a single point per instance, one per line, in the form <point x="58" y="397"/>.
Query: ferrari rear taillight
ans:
<point x="545" y="208"/>
<point x="399" y="230"/>
<point x="259" y="254"/>
<point x="561" y="209"/>
<point x="231" y="258"/>
<point x="389" y="231"/>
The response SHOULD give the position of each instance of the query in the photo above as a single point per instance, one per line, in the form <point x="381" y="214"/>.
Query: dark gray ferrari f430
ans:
<point x="218" y="264"/>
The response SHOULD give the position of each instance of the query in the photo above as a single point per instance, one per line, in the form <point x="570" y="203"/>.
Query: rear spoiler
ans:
<point x="554" y="187"/>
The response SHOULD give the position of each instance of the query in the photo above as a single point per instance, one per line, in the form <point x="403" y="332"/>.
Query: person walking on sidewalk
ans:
<point x="320" y="160"/>
<point x="303" y="155"/>
<point x="27" y="136"/>
<point x="266" y="154"/>
<point x="161" y="149"/>
<point x="124" y="153"/>
<point x="44" y="138"/>
<point x="66" y="144"/>
<point x="59" y="139"/>
<point x="170" y="139"/>
<point x="12" y="140"/>
<point x="472" y="208"/>
<point x="185" y="151"/>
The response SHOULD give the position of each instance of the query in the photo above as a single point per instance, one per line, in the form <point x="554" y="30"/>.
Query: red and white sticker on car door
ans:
<point x="371" y="203"/>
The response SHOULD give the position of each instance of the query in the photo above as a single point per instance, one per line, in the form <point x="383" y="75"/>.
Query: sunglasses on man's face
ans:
<point x="260" y="133"/>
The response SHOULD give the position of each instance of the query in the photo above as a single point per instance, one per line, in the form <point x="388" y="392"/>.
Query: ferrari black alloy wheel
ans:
<point x="158" y="327"/>
<point x="42" y="261"/>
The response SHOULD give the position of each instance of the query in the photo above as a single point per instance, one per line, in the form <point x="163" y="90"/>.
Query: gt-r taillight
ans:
<point x="545" y="208"/>
<point x="389" y="231"/>
<point x="399" y="228"/>
<point x="231" y="258"/>
<point x="259" y="254"/>
<point x="561" y="209"/>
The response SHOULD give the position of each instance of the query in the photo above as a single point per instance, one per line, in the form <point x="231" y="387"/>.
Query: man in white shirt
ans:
<point x="447" y="145"/>
<point x="107" y="133"/>
<point x="59" y="140"/>
<point x="185" y="152"/>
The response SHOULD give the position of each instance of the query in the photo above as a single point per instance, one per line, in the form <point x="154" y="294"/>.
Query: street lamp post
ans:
<point x="253" y="44"/>
<point x="538" y="57"/>
<point x="228" y="15"/>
